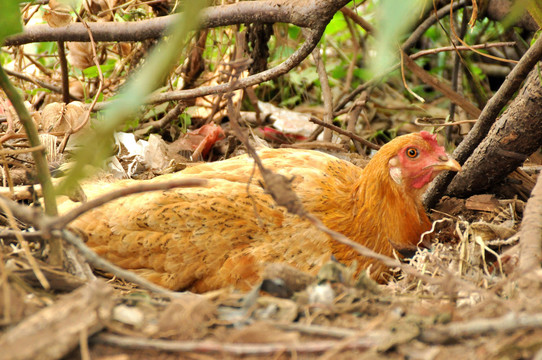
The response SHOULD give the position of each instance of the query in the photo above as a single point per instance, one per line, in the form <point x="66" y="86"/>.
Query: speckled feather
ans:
<point x="206" y="238"/>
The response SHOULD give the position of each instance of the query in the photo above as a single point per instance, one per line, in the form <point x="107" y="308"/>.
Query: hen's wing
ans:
<point x="208" y="237"/>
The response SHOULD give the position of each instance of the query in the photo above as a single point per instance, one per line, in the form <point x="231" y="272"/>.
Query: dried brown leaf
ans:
<point x="59" y="117"/>
<point x="80" y="54"/>
<point x="58" y="14"/>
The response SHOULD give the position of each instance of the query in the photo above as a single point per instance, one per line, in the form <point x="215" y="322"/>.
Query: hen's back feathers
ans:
<point x="223" y="234"/>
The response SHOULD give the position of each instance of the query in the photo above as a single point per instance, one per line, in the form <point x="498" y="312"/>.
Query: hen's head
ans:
<point x="415" y="159"/>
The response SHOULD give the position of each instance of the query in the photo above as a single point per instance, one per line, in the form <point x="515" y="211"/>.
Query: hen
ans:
<point x="206" y="238"/>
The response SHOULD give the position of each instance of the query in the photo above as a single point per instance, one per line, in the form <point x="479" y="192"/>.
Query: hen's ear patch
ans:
<point x="395" y="170"/>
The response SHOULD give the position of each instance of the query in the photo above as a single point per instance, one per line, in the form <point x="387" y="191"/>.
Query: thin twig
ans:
<point x="344" y="132"/>
<point x="422" y="53"/>
<point x="64" y="72"/>
<point x="295" y="59"/>
<point x="364" y="24"/>
<point x="455" y="331"/>
<point x="412" y="39"/>
<point x="33" y="264"/>
<point x="326" y="91"/>
<point x="236" y="349"/>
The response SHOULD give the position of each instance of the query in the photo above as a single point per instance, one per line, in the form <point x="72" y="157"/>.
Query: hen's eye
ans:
<point x="412" y="153"/>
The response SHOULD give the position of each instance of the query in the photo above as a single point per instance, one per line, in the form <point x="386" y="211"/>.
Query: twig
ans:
<point x="429" y="79"/>
<point x="460" y="39"/>
<point x="419" y="122"/>
<point x="40" y="147"/>
<point x="357" y="19"/>
<point x="212" y="17"/>
<point x="235" y="349"/>
<point x="330" y="331"/>
<point x="344" y="132"/>
<point x="422" y="53"/>
<point x="456" y="331"/>
<point x="326" y="92"/>
<point x="169" y="117"/>
<point x="64" y="72"/>
<point x="456" y="72"/>
<point x="98" y="92"/>
<point x="38" y="82"/>
<point x="62" y="221"/>
<point x="281" y="69"/>
<point x="33" y="264"/>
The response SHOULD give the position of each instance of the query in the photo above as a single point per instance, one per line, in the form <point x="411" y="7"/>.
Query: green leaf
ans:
<point x="395" y="18"/>
<point x="339" y="72"/>
<point x="293" y="32"/>
<point x="10" y="19"/>
<point x="107" y="68"/>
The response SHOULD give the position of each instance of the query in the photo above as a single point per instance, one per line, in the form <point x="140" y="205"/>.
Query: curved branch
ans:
<point x="295" y="59"/>
<point x="242" y="12"/>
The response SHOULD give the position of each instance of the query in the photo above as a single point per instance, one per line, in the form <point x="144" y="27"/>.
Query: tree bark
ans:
<point x="515" y="136"/>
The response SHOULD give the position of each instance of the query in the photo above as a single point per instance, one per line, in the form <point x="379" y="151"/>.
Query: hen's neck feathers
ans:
<point x="378" y="212"/>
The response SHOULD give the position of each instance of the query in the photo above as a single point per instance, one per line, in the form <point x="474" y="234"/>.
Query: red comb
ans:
<point x="430" y="138"/>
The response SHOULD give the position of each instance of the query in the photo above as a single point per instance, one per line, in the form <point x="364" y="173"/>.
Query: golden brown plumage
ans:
<point x="210" y="237"/>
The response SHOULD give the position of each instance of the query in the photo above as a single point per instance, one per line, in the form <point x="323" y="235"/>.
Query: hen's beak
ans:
<point x="446" y="163"/>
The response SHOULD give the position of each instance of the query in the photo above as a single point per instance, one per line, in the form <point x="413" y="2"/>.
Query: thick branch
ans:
<point x="487" y="117"/>
<point x="309" y="16"/>
<point x="515" y="136"/>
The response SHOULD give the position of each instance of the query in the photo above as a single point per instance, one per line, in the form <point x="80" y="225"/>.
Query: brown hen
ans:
<point x="206" y="238"/>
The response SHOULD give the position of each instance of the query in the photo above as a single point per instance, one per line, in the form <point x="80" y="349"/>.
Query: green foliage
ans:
<point x="395" y="18"/>
<point x="294" y="32"/>
<point x="185" y="121"/>
<point x="10" y="18"/>
<point x="107" y="69"/>
<point x="35" y="91"/>
<point x="5" y="58"/>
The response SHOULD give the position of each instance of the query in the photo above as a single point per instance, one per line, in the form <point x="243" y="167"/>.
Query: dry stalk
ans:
<point x="33" y="264"/>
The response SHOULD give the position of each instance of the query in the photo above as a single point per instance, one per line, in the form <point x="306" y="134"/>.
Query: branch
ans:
<point x="490" y="112"/>
<point x="344" y="132"/>
<point x="295" y="59"/>
<point x="455" y="331"/>
<point x="326" y="91"/>
<point x="207" y="346"/>
<point x="212" y="17"/>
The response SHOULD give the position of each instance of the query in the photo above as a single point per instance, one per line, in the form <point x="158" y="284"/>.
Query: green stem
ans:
<point x="42" y="169"/>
